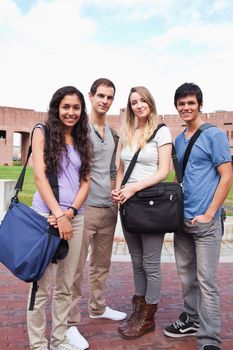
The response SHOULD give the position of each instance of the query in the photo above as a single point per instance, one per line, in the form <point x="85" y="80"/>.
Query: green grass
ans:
<point x="12" y="172"/>
<point x="170" y="176"/>
<point x="29" y="188"/>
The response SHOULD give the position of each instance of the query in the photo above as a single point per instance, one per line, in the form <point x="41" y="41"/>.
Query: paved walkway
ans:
<point x="102" y="334"/>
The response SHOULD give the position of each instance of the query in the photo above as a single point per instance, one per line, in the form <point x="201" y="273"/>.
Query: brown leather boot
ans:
<point x="143" y="325"/>
<point x="137" y="303"/>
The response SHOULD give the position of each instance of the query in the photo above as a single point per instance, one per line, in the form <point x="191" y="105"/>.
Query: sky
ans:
<point x="160" y="44"/>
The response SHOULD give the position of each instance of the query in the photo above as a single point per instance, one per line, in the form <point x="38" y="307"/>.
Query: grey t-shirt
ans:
<point x="103" y="168"/>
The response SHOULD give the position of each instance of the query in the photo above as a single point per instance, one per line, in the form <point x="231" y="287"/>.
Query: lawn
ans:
<point x="29" y="188"/>
<point x="7" y="172"/>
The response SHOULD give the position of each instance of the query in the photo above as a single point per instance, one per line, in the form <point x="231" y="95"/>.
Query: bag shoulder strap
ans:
<point x="52" y="177"/>
<point x="135" y="157"/>
<point x="35" y="288"/>
<point x="20" y="181"/>
<point x="192" y="141"/>
<point x="114" y="133"/>
<point x="115" y="137"/>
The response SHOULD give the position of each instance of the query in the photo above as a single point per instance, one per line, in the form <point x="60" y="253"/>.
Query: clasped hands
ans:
<point x="121" y="195"/>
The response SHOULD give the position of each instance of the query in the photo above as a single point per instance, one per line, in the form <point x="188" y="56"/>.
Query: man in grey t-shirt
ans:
<point x="100" y="214"/>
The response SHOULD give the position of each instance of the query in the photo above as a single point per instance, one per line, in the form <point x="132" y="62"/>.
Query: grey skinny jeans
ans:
<point x="145" y="251"/>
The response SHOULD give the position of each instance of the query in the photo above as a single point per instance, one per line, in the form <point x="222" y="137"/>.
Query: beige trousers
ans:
<point x="99" y="227"/>
<point x="63" y="273"/>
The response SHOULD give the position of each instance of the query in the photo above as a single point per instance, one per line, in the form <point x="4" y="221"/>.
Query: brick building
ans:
<point x="16" y="120"/>
<point x="19" y="120"/>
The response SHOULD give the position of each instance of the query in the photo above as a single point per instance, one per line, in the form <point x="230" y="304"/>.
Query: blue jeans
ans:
<point x="197" y="250"/>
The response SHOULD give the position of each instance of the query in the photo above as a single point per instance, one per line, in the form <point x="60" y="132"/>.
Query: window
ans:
<point x="2" y="134"/>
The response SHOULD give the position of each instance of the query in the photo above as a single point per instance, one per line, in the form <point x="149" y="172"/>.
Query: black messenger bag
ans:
<point x="155" y="209"/>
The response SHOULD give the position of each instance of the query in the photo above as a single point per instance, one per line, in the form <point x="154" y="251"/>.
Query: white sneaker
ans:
<point x="111" y="315"/>
<point x="76" y="338"/>
<point x="66" y="346"/>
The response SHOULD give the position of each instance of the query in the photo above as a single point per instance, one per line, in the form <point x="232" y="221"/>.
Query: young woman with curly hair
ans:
<point x="67" y="150"/>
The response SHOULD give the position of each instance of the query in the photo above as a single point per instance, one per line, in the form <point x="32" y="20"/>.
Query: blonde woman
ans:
<point x="152" y="167"/>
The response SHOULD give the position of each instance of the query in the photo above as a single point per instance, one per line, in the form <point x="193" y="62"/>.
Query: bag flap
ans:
<point x="155" y="191"/>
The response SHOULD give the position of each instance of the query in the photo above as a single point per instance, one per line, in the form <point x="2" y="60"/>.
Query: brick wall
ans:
<point x="16" y="120"/>
<point x="22" y="121"/>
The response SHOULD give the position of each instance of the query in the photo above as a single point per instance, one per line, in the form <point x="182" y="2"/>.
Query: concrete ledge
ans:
<point x="228" y="229"/>
<point x="227" y="237"/>
<point x="6" y="193"/>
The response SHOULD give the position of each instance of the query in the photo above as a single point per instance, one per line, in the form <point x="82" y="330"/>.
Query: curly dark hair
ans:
<point x="55" y="142"/>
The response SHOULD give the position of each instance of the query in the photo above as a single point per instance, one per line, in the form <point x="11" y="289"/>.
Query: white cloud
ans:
<point x="44" y="48"/>
<point x="195" y="34"/>
<point x="221" y="5"/>
<point x="54" y="45"/>
<point x="135" y="9"/>
<point x="132" y="3"/>
<point x="9" y="11"/>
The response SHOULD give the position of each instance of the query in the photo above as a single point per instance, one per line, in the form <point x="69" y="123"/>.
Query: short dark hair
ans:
<point x="188" y="89"/>
<point x="101" y="81"/>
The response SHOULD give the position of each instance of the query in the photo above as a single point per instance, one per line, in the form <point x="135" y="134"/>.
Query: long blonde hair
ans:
<point x="130" y="121"/>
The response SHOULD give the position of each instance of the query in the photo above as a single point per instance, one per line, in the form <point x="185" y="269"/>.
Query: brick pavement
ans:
<point x="102" y="334"/>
